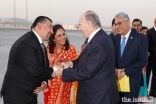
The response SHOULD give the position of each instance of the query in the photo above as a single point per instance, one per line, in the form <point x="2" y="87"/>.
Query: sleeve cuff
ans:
<point x="45" y="84"/>
<point x="71" y="66"/>
<point x="54" y="68"/>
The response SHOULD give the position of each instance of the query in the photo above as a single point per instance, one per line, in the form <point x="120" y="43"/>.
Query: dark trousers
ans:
<point x="148" y="73"/>
<point x="153" y="81"/>
<point x="151" y="67"/>
<point x="128" y="98"/>
<point x="6" y="102"/>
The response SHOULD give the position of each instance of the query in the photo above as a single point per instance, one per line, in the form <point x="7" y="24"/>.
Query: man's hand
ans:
<point x="119" y="73"/>
<point x="66" y="65"/>
<point x="40" y="88"/>
<point x="58" y="72"/>
<point x="148" y="54"/>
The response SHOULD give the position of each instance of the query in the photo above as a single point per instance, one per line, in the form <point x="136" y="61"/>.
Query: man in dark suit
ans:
<point x="114" y="30"/>
<point x="27" y="65"/>
<point x="151" y="33"/>
<point x="95" y="68"/>
<point x="131" y="56"/>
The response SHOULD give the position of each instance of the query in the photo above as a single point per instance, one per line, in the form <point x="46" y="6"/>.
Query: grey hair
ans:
<point x="93" y="17"/>
<point x="123" y="15"/>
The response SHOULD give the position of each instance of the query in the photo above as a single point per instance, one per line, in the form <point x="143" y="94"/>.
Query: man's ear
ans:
<point x="39" y="25"/>
<point x="89" y="23"/>
<point x="129" y="23"/>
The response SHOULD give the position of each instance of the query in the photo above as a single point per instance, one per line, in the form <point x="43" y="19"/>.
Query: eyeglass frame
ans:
<point x="49" y="25"/>
<point x="138" y="25"/>
<point x="119" y="23"/>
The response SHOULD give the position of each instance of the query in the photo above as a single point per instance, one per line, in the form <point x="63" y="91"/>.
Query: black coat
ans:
<point x="26" y="70"/>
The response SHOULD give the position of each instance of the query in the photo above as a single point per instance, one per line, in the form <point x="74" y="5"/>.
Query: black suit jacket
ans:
<point x="111" y="35"/>
<point x="134" y="58"/>
<point x="26" y="70"/>
<point x="95" y="72"/>
<point x="151" y="33"/>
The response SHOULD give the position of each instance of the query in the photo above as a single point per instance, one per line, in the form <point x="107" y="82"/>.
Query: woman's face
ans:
<point x="144" y="31"/>
<point x="60" y="37"/>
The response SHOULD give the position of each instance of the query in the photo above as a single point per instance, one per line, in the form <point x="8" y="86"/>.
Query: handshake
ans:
<point x="58" y="68"/>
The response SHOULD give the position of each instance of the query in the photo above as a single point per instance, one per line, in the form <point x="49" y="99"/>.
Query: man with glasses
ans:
<point x="137" y="24"/>
<point x="28" y="65"/>
<point x="131" y="56"/>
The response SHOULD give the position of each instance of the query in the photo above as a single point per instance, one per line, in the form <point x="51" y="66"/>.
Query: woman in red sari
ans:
<point x="58" y="50"/>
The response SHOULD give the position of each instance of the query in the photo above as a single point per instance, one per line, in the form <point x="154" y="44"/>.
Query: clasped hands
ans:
<point x="60" y="67"/>
<point x="119" y="73"/>
<point x="58" y="72"/>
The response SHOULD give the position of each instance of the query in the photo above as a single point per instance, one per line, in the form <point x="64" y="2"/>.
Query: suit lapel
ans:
<point x="129" y="41"/>
<point x="153" y="30"/>
<point x="83" y="51"/>
<point x="38" y="43"/>
<point x="91" y="41"/>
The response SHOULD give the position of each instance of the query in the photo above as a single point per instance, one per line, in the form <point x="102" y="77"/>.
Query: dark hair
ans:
<point x="40" y="19"/>
<point x="143" y="28"/>
<point x="135" y="20"/>
<point x="113" y="21"/>
<point x="51" y="42"/>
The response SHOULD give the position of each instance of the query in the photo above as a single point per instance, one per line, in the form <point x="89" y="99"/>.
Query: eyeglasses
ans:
<point x="138" y="25"/>
<point x="119" y="23"/>
<point x="49" y="25"/>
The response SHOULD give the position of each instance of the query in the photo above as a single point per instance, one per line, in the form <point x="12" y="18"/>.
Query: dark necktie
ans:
<point x="85" y="44"/>
<point x="44" y="52"/>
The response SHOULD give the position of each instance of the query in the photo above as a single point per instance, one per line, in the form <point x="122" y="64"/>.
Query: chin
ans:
<point x="84" y="36"/>
<point x="62" y="43"/>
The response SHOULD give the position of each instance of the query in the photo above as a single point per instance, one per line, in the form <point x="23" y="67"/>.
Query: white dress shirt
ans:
<point x="38" y="37"/>
<point x="127" y="36"/>
<point x="92" y="35"/>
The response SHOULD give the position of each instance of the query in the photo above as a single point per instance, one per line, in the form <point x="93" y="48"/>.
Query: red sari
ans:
<point x="58" y="92"/>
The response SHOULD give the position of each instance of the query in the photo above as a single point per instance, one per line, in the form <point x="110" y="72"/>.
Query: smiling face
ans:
<point x="45" y="29"/>
<point x="137" y="26"/>
<point x="122" y="26"/>
<point x="60" y="37"/>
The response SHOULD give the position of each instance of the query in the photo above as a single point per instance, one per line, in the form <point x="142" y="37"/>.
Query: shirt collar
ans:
<point x="92" y="35"/>
<point x="39" y="38"/>
<point x="127" y="35"/>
